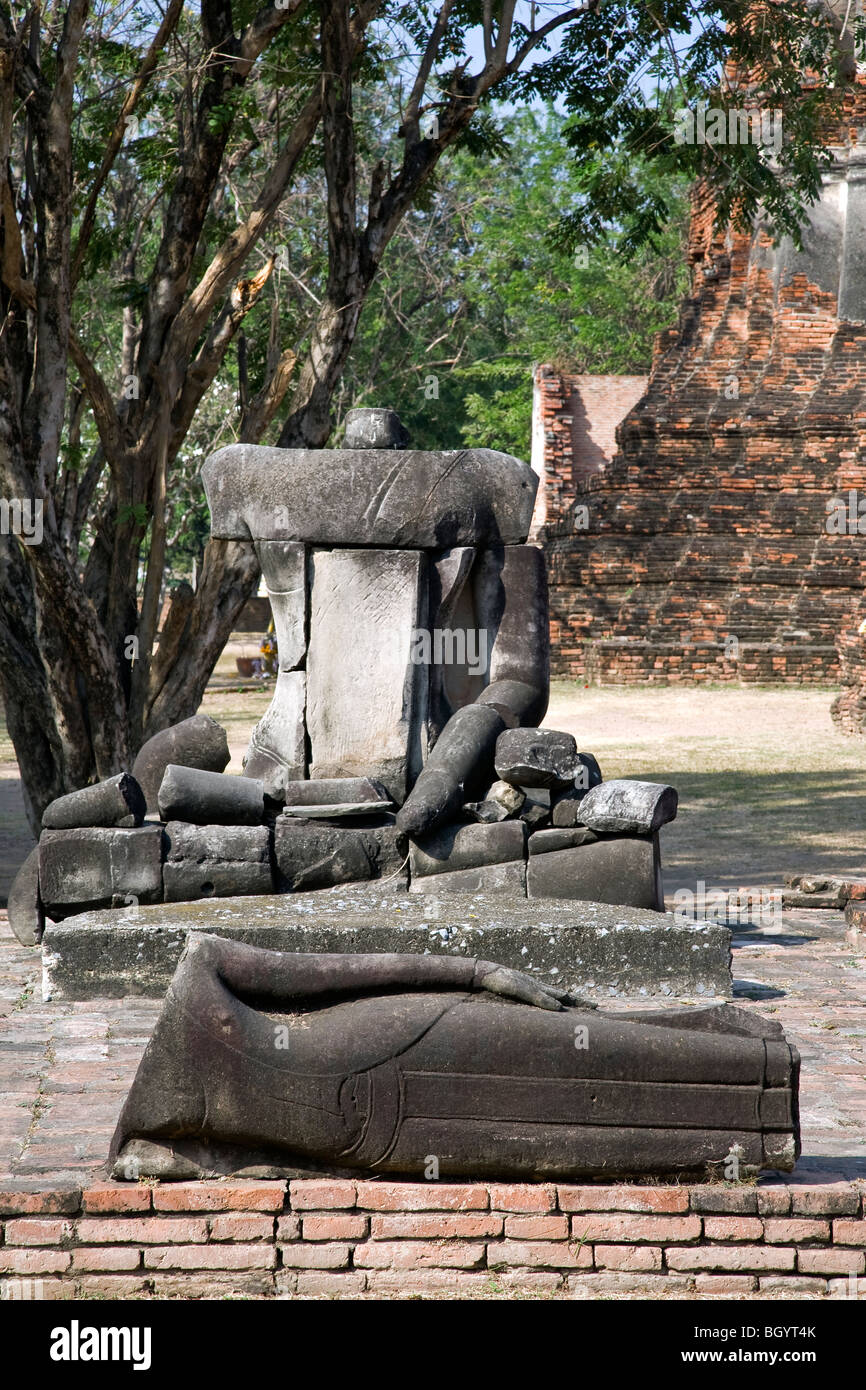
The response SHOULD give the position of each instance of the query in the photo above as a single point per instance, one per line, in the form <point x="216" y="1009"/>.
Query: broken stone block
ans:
<point x="206" y="798"/>
<point x="535" y="811"/>
<point x="625" y="871"/>
<point x="99" y="867"/>
<point x="366" y="696"/>
<point x="196" y="742"/>
<point x="545" y="841"/>
<point x="536" y="758"/>
<point x="628" y="808"/>
<point x="373" y="428"/>
<point x="501" y="802"/>
<point x="116" y="801"/>
<point x="215" y="861"/>
<point x="486" y="878"/>
<point x="467" y="847"/>
<point x="565" y="808"/>
<point x="24" y="906"/>
<point x="277" y="749"/>
<point x="392" y="498"/>
<point x="311" y="854"/>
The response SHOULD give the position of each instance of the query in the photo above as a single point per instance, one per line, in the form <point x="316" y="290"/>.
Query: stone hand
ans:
<point x="512" y="984"/>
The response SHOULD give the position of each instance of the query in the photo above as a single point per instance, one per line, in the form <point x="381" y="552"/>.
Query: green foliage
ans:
<point x="482" y="286"/>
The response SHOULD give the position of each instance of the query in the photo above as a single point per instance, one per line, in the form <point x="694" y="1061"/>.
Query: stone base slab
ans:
<point x="592" y="948"/>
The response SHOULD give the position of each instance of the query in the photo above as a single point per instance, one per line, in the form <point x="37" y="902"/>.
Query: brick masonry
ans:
<point x="706" y="552"/>
<point x="326" y="1238"/>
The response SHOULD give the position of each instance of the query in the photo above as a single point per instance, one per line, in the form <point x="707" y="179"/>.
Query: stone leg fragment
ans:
<point x="462" y="755"/>
<point x="196" y="742"/>
<point x="205" y="798"/>
<point x="216" y="861"/>
<point x="277" y="750"/>
<point x="510" y="589"/>
<point x="117" y="801"/>
<point x="99" y="868"/>
<point x="625" y="871"/>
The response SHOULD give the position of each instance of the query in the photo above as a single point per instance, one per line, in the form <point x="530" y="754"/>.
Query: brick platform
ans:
<point x="328" y="1237"/>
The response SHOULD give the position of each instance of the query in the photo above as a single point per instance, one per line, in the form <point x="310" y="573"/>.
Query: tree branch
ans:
<point x="115" y="139"/>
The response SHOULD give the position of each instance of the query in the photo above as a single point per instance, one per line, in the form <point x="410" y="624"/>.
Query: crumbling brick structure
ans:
<point x="720" y="542"/>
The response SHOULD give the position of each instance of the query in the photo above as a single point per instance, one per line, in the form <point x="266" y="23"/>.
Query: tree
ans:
<point x="148" y="154"/>
<point x="477" y="286"/>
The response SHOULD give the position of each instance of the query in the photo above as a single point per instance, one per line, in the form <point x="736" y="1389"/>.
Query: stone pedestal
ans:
<point x="591" y="948"/>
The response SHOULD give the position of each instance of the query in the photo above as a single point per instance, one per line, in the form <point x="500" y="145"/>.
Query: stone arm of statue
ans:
<point x="279" y="976"/>
<point x="510" y="594"/>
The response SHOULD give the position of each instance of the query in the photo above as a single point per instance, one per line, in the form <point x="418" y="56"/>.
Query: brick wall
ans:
<point x="575" y="419"/>
<point x="707" y="553"/>
<point x="331" y="1237"/>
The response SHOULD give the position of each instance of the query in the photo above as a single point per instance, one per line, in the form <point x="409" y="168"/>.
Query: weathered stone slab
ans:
<point x="405" y="498"/>
<point x="626" y="871"/>
<point x="196" y="742"/>
<point x="210" y="798"/>
<point x="24" y="905"/>
<point x="546" y="841"/>
<point x="116" y="801"/>
<point x="455" y="683"/>
<point x="589" y="947"/>
<point x="628" y="807"/>
<point x="486" y="878"/>
<point x="90" y="867"/>
<point x="335" y="791"/>
<point x="366" y="698"/>
<point x="335" y="811"/>
<point x="313" y="855"/>
<point x="536" y="758"/>
<point x="467" y="847"/>
<point x="215" y="861"/>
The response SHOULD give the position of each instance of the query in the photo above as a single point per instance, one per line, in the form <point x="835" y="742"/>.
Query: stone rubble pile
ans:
<point x="548" y="826"/>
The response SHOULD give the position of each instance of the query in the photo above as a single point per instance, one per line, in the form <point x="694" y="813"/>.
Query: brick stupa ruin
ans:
<point x="704" y="552"/>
